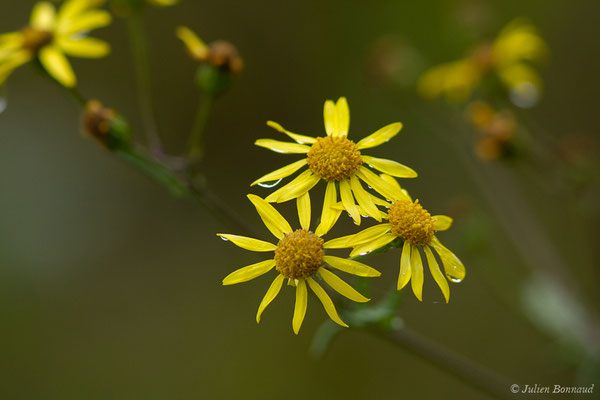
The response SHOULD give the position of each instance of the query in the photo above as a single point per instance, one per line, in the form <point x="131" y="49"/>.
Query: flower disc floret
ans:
<point x="334" y="158"/>
<point x="299" y="254"/>
<point x="411" y="222"/>
<point x="34" y="39"/>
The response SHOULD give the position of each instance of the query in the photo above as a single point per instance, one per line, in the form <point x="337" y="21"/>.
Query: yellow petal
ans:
<point x="416" y="267"/>
<point x="343" y="116"/>
<point x="399" y="191"/>
<point x="378" y="201"/>
<point x="369" y="234"/>
<point x="163" y="3"/>
<point x="338" y="243"/>
<point x="373" y="245"/>
<point x="351" y="266"/>
<point x="363" y="198"/>
<point x="249" y="272"/>
<point x="330" y="117"/>
<point x="300" y="307"/>
<point x="84" y="47"/>
<point x="381" y="136"/>
<point x="282" y="147"/>
<point x="455" y="270"/>
<point x="193" y="44"/>
<point x="404" y="275"/>
<point x="442" y="222"/>
<point x="341" y="287"/>
<point x="298" y="138"/>
<point x="86" y="22"/>
<point x="42" y="16"/>
<point x="326" y="301"/>
<point x="348" y="201"/>
<point x="271" y="217"/>
<point x="281" y="172"/>
<point x="439" y="278"/>
<point x="390" y="167"/>
<point x="329" y="216"/>
<point x="379" y="185"/>
<point x="269" y="296"/>
<point x="9" y="64"/>
<point x="71" y="9"/>
<point x="303" y="204"/>
<point x="300" y="185"/>
<point x="57" y="66"/>
<point x="248" y="243"/>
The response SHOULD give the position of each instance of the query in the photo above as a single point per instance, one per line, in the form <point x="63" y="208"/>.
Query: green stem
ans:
<point x="196" y="145"/>
<point x="139" y="49"/>
<point x="70" y="92"/>
<point x="154" y="170"/>
<point x="452" y="363"/>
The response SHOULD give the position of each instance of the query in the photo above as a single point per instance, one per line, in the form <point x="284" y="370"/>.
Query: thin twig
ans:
<point x="139" y="49"/>
<point x="452" y="363"/>
<point x="196" y="146"/>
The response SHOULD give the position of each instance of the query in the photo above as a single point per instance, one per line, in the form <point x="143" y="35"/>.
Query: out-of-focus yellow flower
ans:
<point x="299" y="257"/>
<point x="51" y="35"/>
<point x="410" y="222"/>
<point x="510" y="57"/>
<point x="220" y="53"/>
<point x="496" y="130"/>
<point x="337" y="160"/>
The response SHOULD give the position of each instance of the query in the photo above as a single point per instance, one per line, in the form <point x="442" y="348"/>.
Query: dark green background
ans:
<point x="110" y="288"/>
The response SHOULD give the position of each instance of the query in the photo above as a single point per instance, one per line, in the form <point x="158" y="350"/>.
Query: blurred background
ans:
<point x="110" y="288"/>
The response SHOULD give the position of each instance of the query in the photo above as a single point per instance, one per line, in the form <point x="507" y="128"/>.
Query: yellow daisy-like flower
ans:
<point x="509" y="56"/>
<point x="299" y="257"/>
<point x="337" y="160"/>
<point x="410" y="222"/>
<point x="52" y="35"/>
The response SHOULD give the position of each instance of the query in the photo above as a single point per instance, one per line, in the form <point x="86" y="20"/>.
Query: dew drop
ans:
<point x="224" y="239"/>
<point x="454" y="279"/>
<point x="270" y="184"/>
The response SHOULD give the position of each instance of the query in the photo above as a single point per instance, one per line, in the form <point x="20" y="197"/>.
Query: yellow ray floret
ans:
<point x="299" y="256"/>
<point x="52" y="35"/>
<point x="410" y="222"/>
<point x="337" y="160"/>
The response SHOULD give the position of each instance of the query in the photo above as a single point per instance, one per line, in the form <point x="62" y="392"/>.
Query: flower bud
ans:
<point x="106" y="126"/>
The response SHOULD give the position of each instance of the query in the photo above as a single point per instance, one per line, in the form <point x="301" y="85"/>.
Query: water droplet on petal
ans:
<point x="270" y="184"/>
<point x="224" y="239"/>
<point x="454" y="279"/>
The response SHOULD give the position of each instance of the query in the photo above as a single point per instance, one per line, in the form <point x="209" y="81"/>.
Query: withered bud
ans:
<point x="225" y="56"/>
<point x="482" y="57"/>
<point x="105" y="125"/>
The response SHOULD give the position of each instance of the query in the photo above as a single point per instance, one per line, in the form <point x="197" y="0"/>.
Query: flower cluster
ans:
<point x="299" y="255"/>
<point x="509" y="59"/>
<point x="52" y="35"/>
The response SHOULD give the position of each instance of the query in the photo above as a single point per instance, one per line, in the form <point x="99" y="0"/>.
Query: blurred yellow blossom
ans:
<point x="52" y="35"/>
<point x="509" y="57"/>
<point x="299" y="257"/>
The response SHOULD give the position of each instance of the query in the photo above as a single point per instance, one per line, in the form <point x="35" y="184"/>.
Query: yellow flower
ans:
<point x="509" y="57"/>
<point x="410" y="222"/>
<point x="51" y="35"/>
<point x="337" y="160"/>
<point x="220" y="53"/>
<point x="299" y="257"/>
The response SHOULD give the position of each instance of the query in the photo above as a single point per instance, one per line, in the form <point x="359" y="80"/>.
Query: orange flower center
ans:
<point x="35" y="39"/>
<point x="334" y="158"/>
<point x="411" y="222"/>
<point x="299" y="254"/>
